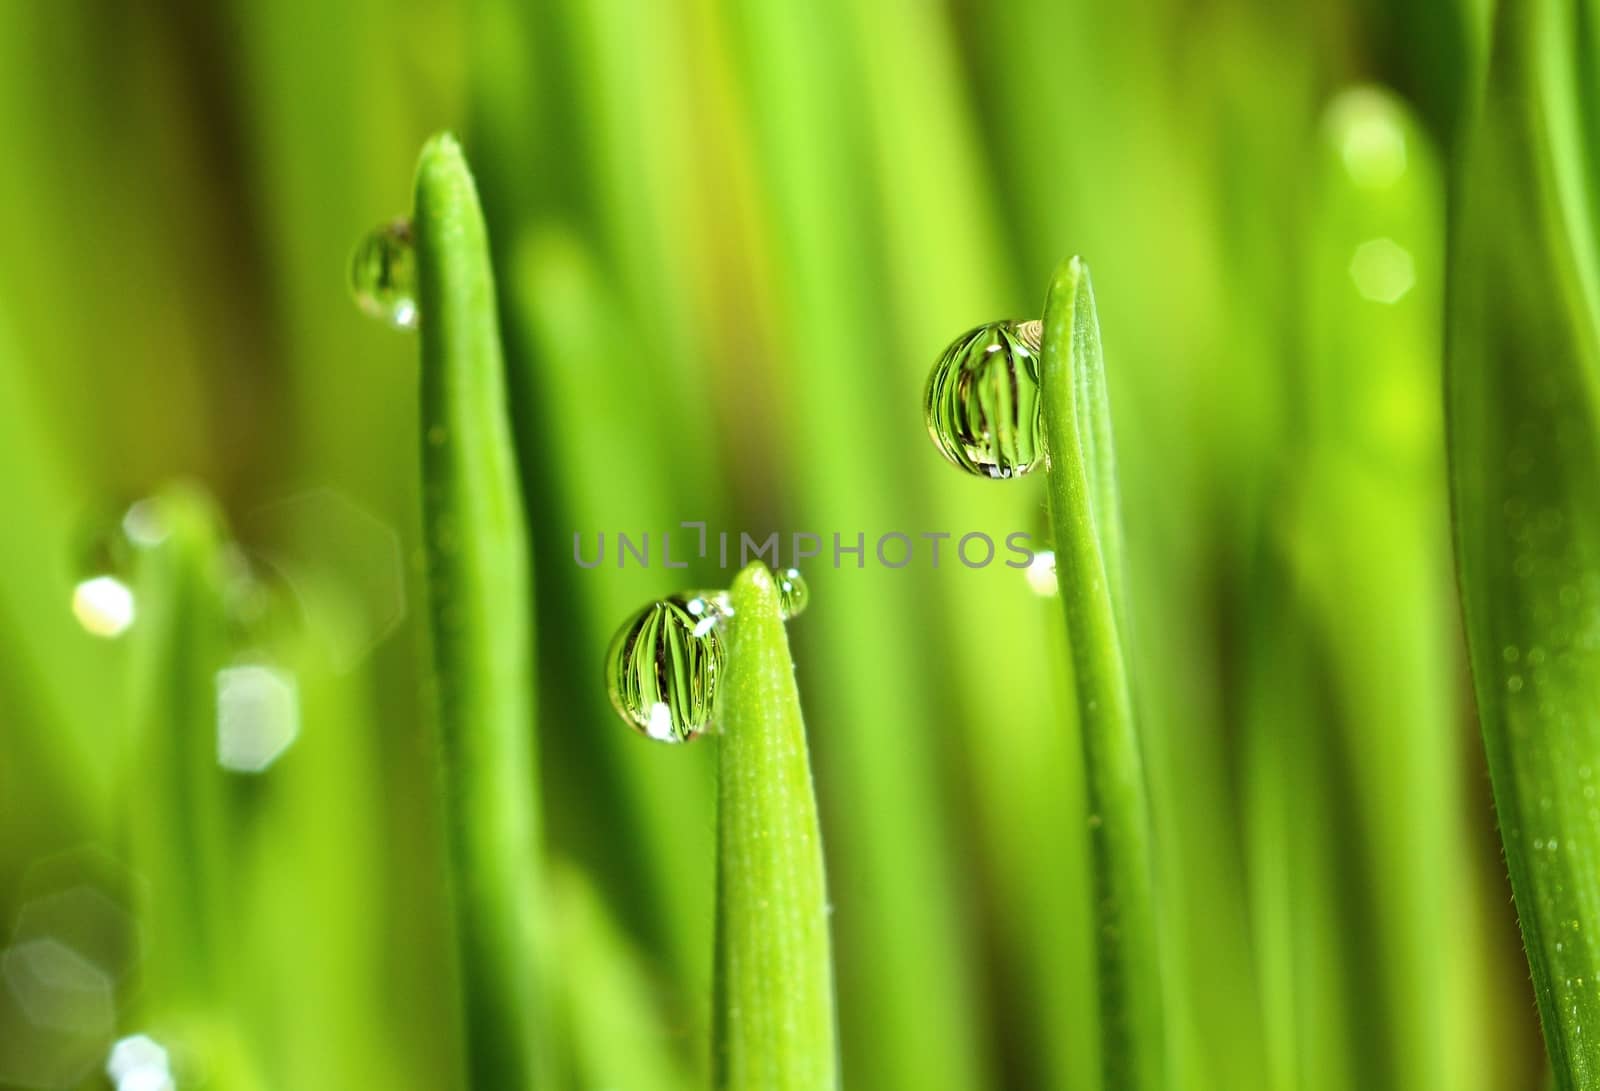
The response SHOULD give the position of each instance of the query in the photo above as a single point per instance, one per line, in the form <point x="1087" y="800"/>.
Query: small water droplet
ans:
<point x="663" y="667"/>
<point x="1042" y="573"/>
<point x="104" y="606"/>
<point x="793" y="594"/>
<point x="383" y="275"/>
<point x="982" y="402"/>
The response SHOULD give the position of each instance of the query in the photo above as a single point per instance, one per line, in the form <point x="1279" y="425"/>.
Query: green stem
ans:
<point x="774" y="975"/>
<point x="479" y="589"/>
<point x="1085" y="516"/>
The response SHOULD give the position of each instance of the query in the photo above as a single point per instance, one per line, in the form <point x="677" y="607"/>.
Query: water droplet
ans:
<point x="1042" y="573"/>
<point x="793" y="594"/>
<point x="383" y="275"/>
<point x="104" y="606"/>
<point x="663" y="667"/>
<point x="982" y="403"/>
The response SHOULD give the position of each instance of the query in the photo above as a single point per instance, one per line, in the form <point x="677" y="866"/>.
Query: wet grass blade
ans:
<point x="773" y="1013"/>
<point x="1085" y="516"/>
<point x="479" y="589"/>
<point x="1523" y="384"/>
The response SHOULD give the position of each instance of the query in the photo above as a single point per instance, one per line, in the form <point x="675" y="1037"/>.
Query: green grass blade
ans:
<point x="480" y="591"/>
<point x="178" y="798"/>
<point x="1085" y="516"/>
<point x="773" y="1009"/>
<point x="610" y="998"/>
<point x="186" y="818"/>
<point x="1523" y="383"/>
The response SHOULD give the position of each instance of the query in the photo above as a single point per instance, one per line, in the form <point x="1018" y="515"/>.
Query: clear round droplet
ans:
<point x="663" y="667"/>
<point x="982" y="402"/>
<point x="793" y="594"/>
<point x="383" y="275"/>
<point x="1041" y="573"/>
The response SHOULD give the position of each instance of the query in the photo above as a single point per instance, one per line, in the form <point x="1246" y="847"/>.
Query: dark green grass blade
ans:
<point x="773" y="1014"/>
<point x="479" y="589"/>
<point x="1523" y="384"/>
<point x="1084" y="512"/>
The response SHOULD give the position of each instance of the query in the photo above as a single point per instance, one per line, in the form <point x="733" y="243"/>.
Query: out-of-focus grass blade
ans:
<point x="580" y="386"/>
<point x="1303" y="936"/>
<point x="1371" y="556"/>
<point x="1084" y="512"/>
<point x="315" y="876"/>
<point x="613" y="1014"/>
<point x="184" y="817"/>
<point x="907" y="1019"/>
<point x="1523" y="385"/>
<point x="773" y="1004"/>
<point x="177" y="793"/>
<point x="479" y="589"/>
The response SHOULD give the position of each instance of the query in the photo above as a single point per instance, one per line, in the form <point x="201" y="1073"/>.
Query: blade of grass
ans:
<point x="610" y="998"/>
<point x="773" y="1002"/>
<point x="1371" y="470"/>
<point x="1523" y="388"/>
<point x="479" y="592"/>
<point x="180" y="818"/>
<point x="185" y="818"/>
<point x="615" y="800"/>
<point x="1087" y="522"/>
<point x="907" y="1019"/>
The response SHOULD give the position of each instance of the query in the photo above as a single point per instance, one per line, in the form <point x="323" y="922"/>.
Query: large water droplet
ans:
<point x="982" y="402"/>
<point x="383" y="275"/>
<point x="663" y="668"/>
<point x="793" y="594"/>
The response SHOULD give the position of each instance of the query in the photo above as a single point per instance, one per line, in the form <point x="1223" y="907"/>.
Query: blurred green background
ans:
<point x="730" y="241"/>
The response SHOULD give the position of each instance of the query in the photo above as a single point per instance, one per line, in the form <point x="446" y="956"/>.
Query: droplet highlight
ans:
<point x="793" y="593"/>
<point x="664" y="665"/>
<point x="1041" y="573"/>
<point x="383" y="275"/>
<point x="982" y="402"/>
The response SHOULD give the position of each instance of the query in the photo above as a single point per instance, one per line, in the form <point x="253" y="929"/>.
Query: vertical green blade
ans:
<point x="1524" y="440"/>
<point x="1084" y="513"/>
<point x="774" y="1023"/>
<point x="479" y="589"/>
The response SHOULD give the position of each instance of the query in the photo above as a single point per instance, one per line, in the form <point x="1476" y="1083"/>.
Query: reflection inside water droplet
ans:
<point x="982" y="401"/>
<point x="663" y="667"/>
<point x="383" y="275"/>
<point x="793" y="594"/>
